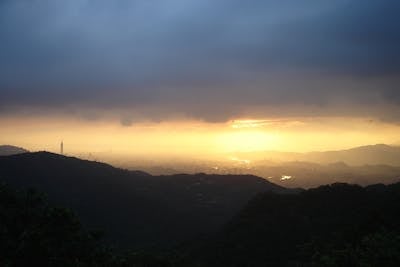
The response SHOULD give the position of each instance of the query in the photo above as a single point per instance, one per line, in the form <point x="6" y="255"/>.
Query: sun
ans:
<point x="247" y="135"/>
<point x="247" y="140"/>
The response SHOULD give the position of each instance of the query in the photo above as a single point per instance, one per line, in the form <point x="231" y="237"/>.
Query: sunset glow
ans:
<point x="189" y="137"/>
<point x="199" y="133"/>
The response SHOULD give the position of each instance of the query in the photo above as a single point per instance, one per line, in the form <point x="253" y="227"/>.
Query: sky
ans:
<point x="179" y="76"/>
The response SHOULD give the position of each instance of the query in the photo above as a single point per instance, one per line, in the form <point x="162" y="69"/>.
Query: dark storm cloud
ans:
<point x="212" y="60"/>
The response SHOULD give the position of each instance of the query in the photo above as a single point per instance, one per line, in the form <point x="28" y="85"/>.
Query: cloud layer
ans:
<point x="211" y="60"/>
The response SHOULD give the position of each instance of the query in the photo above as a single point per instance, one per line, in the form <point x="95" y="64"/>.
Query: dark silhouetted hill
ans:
<point x="7" y="150"/>
<point x="334" y="225"/>
<point x="134" y="208"/>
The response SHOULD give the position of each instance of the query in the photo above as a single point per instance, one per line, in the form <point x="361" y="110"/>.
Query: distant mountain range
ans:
<point x="294" y="174"/>
<point x="363" y="155"/>
<point x="6" y="150"/>
<point x="307" y="175"/>
<point x="134" y="208"/>
<point x="361" y="165"/>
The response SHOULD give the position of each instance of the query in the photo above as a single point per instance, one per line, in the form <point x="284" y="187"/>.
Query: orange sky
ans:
<point x="189" y="137"/>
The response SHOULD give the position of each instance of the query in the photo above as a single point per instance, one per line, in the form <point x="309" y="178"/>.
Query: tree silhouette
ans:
<point x="32" y="233"/>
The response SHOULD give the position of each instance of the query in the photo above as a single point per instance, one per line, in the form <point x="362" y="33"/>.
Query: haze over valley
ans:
<point x="227" y="133"/>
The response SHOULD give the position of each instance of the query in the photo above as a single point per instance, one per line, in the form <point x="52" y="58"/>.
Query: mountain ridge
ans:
<point x="332" y="222"/>
<point x="361" y="155"/>
<point x="7" y="150"/>
<point x="136" y="209"/>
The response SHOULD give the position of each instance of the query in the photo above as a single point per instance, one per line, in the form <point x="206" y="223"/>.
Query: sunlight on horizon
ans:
<point x="190" y="137"/>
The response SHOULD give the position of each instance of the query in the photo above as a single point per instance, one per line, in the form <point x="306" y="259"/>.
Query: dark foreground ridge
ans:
<point x="188" y="220"/>
<point x="333" y="225"/>
<point x="135" y="209"/>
